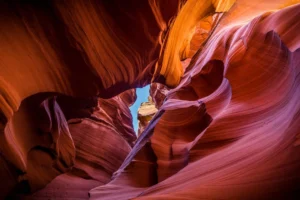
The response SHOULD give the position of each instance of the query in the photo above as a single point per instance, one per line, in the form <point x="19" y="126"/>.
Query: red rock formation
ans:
<point x="86" y="49"/>
<point x="229" y="128"/>
<point x="95" y="127"/>
<point x="82" y="49"/>
<point x="224" y="123"/>
<point x="158" y="93"/>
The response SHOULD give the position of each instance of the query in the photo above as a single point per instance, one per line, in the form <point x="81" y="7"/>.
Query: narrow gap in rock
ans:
<point x="142" y="96"/>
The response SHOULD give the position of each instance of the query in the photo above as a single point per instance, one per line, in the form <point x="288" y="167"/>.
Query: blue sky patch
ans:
<point x="142" y="96"/>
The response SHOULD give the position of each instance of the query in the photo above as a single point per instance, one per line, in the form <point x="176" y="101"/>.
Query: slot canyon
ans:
<point x="222" y="120"/>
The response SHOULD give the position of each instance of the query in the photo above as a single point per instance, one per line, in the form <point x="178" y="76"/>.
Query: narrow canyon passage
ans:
<point x="142" y="97"/>
<point x="149" y="99"/>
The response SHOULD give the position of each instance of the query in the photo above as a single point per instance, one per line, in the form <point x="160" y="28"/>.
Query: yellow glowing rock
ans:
<point x="177" y="44"/>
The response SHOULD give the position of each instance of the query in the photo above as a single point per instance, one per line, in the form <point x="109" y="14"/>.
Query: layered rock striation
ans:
<point x="217" y="133"/>
<point x="223" y="124"/>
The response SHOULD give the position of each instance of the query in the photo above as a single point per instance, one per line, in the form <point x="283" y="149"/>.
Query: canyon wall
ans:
<point x="225" y="85"/>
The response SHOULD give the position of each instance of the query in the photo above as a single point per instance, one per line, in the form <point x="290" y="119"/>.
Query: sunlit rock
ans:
<point x="222" y="121"/>
<point x="145" y="113"/>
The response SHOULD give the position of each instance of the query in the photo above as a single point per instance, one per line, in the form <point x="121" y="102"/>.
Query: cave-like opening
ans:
<point x="142" y="96"/>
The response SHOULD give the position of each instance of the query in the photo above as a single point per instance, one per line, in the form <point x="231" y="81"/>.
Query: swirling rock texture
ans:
<point x="228" y="129"/>
<point x="158" y="93"/>
<point x="84" y="150"/>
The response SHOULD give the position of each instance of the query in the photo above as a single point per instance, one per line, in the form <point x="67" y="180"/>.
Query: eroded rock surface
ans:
<point x="145" y="113"/>
<point x="77" y="147"/>
<point x="224" y="82"/>
<point x="220" y="128"/>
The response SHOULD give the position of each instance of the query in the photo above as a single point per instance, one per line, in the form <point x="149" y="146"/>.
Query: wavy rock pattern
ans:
<point x="239" y="114"/>
<point x="229" y="128"/>
<point x="83" y="147"/>
<point x="158" y="93"/>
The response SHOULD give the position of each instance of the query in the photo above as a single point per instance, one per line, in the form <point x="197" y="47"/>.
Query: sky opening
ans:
<point x="142" y="96"/>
